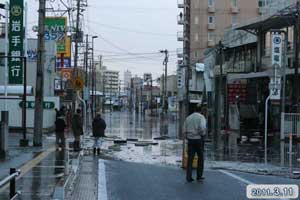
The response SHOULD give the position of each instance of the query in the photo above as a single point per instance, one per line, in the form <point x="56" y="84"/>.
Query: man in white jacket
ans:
<point x="194" y="130"/>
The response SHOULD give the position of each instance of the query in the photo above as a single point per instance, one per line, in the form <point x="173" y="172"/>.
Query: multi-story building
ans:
<point x="209" y="19"/>
<point x="111" y="82"/>
<point x="127" y="79"/>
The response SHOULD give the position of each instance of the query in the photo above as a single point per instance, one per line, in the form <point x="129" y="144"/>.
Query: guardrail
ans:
<point x="11" y="179"/>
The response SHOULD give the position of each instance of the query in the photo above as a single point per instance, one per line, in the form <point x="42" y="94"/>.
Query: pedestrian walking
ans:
<point x="77" y="129"/>
<point x="60" y="126"/>
<point x="99" y="127"/>
<point x="194" y="131"/>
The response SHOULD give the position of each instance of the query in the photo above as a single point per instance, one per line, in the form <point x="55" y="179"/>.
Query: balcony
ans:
<point x="179" y="53"/>
<point x="181" y="4"/>
<point x="260" y="10"/>
<point x="181" y="20"/>
<point x="181" y="36"/>
<point x="180" y="63"/>
<point x="211" y="26"/>
<point x="211" y="43"/>
<point x="211" y="9"/>
<point x="235" y="10"/>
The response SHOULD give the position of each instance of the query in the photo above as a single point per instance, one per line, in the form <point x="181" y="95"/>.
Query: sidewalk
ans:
<point x="41" y="167"/>
<point x="18" y="156"/>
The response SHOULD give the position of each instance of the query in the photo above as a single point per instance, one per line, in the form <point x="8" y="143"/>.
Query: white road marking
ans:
<point x="102" y="191"/>
<point x="236" y="177"/>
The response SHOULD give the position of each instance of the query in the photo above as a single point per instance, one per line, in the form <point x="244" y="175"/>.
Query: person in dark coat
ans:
<point x="77" y="128"/>
<point x="60" y="126"/>
<point x="99" y="127"/>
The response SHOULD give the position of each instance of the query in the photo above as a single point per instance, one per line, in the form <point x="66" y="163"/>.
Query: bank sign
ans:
<point x="16" y="37"/>
<point x="55" y="29"/>
<point x="275" y="82"/>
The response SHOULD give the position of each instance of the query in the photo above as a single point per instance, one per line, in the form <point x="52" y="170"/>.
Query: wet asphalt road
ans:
<point x="135" y="181"/>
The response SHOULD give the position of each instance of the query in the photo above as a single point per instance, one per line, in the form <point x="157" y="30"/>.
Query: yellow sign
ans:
<point x="67" y="53"/>
<point x="78" y="84"/>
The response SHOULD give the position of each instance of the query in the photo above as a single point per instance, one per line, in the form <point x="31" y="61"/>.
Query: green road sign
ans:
<point x="16" y="37"/>
<point x="31" y="104"/>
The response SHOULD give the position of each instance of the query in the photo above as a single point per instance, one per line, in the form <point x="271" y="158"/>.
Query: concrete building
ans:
<point x="209" y="19"/>
<point x="111" y="82"/>
<point x="13" y="105"/>
<point x="127" y="79"/>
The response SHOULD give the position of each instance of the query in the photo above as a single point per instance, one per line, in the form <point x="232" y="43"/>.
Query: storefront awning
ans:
<point x="16" y="90"/>
<point x="237" y="76"/>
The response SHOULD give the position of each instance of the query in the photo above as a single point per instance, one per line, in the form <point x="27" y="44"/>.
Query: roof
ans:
<point x="282" y="18"/>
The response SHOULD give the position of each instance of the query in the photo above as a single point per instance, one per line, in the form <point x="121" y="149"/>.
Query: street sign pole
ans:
<point x="6" y="54"/>
<point x="266" y="128"/>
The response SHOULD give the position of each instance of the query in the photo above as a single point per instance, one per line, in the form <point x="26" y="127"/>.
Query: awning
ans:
<point x="268" y="73"/>
<point x="16" y="90"/>
<point x="282" y="18"/>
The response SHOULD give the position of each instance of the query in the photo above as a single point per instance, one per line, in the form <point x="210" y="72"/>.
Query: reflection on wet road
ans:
<point x="39" y="182"/>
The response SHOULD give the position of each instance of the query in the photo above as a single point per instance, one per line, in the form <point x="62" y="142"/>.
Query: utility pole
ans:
<point x="218" y="96"/>
<point x="296" y="61"/>
<point x="86" y="59"/>
<point x="184" y="102"/>
<point x="165" y="92"/>
<point x="151" y="94"/>
<point x="75" y="72"/>
<point x="39" y="92"/>
<point x="93" y="79"/>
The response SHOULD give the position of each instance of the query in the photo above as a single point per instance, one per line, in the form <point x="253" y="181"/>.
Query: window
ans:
<point x="210" y="3"/>
<point x="210" y="36"/>
<point x="234" y="3"/>
<point x="196" y="37"/>
<point x="234" y="20"/>
<point x="211" y="19"/>
<point x="196" y="54"/>
<point x="196" y="20"/>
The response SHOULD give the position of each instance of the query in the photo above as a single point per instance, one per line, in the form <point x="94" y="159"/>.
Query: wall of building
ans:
<point x="49" y="70"/>
<point x="223" y="14"/>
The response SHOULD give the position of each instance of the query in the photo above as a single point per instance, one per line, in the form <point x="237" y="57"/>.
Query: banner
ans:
<point x="16" y="37"/>
<point x="55" y="29"/>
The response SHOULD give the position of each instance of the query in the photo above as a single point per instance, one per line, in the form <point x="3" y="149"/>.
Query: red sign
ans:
<point x="237" y="92"/>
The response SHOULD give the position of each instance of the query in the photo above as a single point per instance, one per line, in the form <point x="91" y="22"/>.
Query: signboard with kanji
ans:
<point x="55" y="29"/>
<point x="16" y="37"/>
<point x="275" y="82"/>
<point x="31" y="104"/>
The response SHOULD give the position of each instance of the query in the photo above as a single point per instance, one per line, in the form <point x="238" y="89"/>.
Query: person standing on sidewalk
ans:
<point x="99" y="127"/>
<point x="60" y="126"/>
<point x="194" y="131"/>
<point x="77" y="128"/>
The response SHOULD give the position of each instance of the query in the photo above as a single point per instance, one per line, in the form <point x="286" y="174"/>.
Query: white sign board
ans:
<point x="275" y="82"/>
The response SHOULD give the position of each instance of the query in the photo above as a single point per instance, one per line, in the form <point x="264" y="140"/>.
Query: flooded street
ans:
<point x="140" y="138"/>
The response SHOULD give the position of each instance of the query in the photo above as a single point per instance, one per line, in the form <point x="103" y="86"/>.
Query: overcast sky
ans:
<point x="130" y="32"/>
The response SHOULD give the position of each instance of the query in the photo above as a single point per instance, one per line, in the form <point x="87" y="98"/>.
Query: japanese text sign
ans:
<point x="16" y="36"/>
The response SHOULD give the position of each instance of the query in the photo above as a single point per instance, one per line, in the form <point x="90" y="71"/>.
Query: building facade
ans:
<point x="111" y="82"/>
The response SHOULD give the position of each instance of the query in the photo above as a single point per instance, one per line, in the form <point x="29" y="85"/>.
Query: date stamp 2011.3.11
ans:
<point x="272" y="191"/>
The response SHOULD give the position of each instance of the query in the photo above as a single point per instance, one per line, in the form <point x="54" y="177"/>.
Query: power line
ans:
<point x="133" y="31"/>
